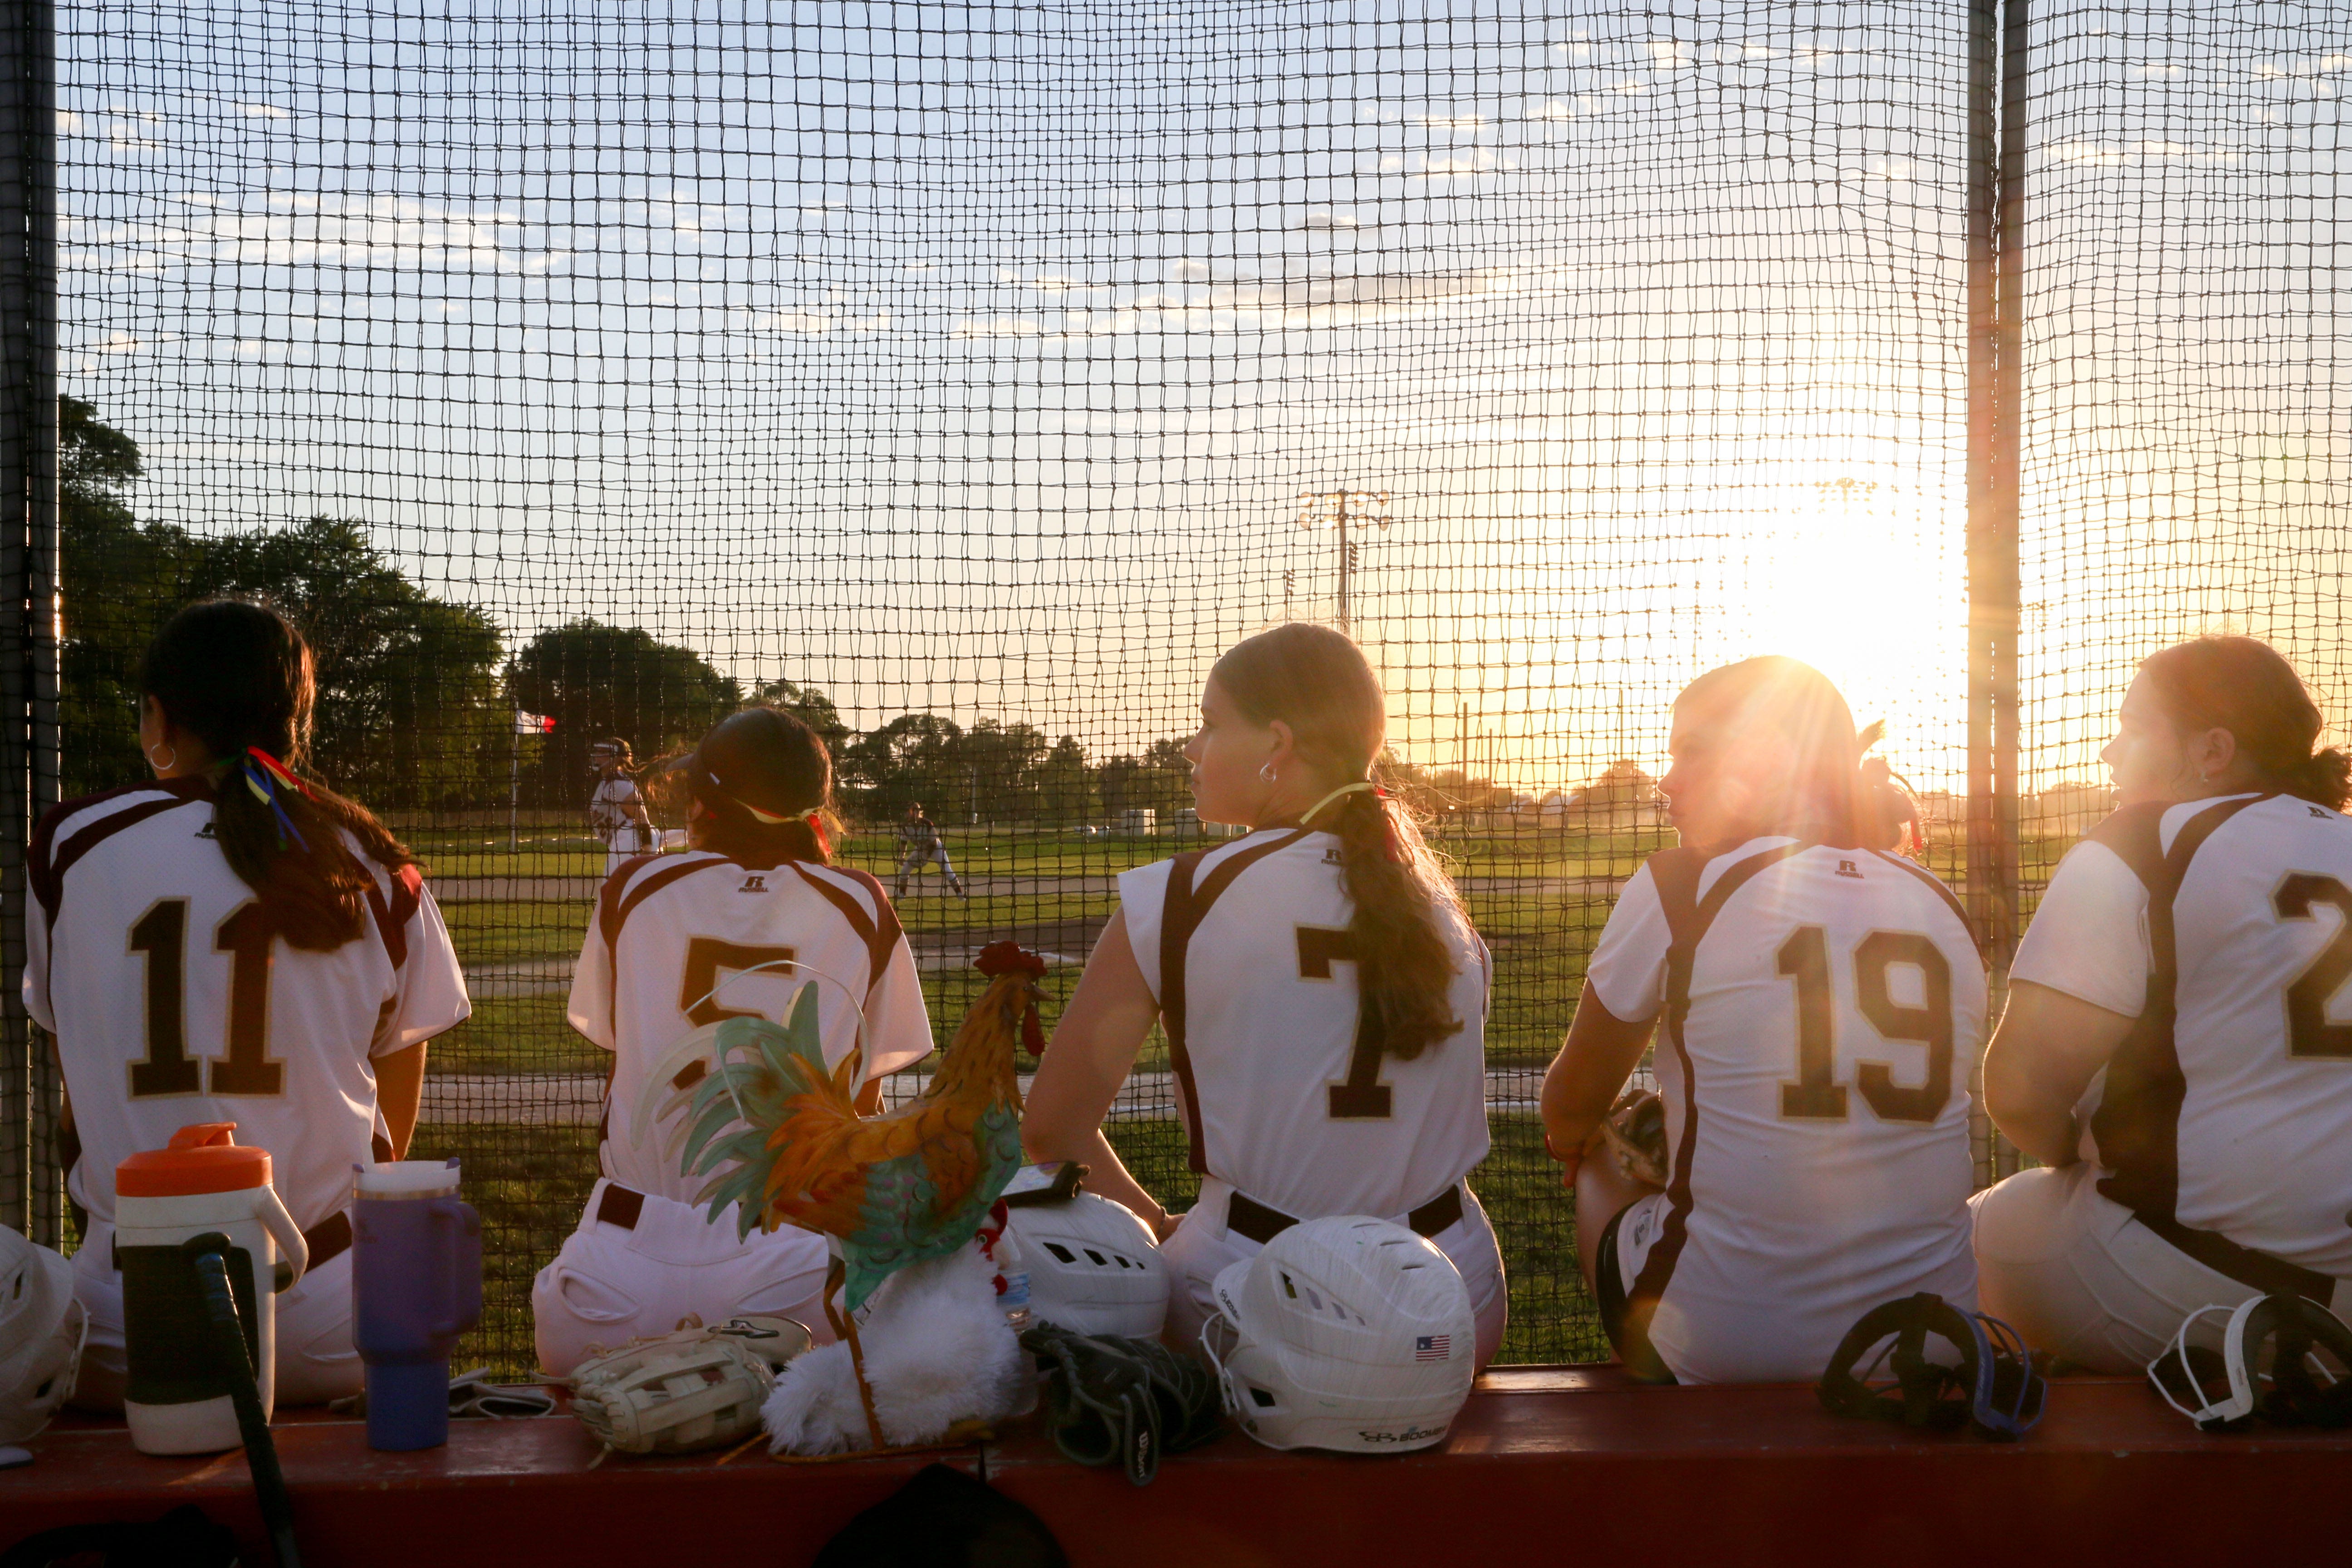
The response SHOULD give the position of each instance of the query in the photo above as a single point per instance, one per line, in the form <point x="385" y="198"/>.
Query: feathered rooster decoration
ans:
<point x="892" y="1190"/>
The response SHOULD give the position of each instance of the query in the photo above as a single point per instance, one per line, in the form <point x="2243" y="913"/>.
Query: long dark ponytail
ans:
<point x="1315" y="680"/>
<point x="2246" y="687"/>
<point x="237" y="676"/>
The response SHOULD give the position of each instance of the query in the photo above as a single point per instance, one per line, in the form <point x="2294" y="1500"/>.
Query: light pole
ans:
<point x="1338" y="507"/>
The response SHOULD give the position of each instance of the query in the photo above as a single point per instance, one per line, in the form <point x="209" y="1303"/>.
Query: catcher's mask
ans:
<point x="1999" y="1389"/>
<point x="2289" y="1391"/>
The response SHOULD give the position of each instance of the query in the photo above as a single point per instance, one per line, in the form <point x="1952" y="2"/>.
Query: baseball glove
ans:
<point x="1636" y="1131"/>
<point x="681" y="1393"/>
<point x="1112" y="1400"/>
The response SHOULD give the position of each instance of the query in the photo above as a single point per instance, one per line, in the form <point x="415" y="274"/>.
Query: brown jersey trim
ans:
<point x="391" y="918"/>
<point x="2138" y="1124"/>
<point x="879" y="932"/>
<point x="1951" y="900"/>
<point x="1677" y="873"/>
<point x="48" y="879"/>
<point x="619" y="899"/>
<point x="1180" y="916"/>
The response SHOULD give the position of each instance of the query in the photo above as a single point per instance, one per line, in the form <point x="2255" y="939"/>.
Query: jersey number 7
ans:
<point x="1363" y="1098"/>
<point x="1816" y="1094"/>
<point x="161" y="937"/>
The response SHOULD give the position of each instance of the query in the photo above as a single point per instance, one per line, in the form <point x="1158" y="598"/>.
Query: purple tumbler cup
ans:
<point x="416" y="1285"/>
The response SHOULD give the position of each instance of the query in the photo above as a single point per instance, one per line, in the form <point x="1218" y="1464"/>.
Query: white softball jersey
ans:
<point x="608" y="807"/>
<point x="2224" y="1121"/>
<point x="677" y="944"/>
<point x="172" y="1002"/>
<point x="1286" y="1091"/>
<point x="1823" y="1010"/>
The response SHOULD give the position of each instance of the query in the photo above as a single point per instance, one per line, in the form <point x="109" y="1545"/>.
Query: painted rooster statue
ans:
<point x="893" y="1189"/>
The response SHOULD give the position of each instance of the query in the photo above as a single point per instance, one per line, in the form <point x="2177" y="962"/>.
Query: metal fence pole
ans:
<point x="1998" y="125"/>
<point x="29" y="1196"/>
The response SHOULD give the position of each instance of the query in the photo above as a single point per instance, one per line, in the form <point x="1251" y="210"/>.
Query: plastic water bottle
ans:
<point x="177" y="1398"/>
<point x="416" y="1285"/>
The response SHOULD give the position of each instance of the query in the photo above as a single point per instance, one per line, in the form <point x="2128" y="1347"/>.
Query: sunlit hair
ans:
<point x="237" y="674"/>
<point x="1317" y="680"/>
<point x="1825" y="793"/>
<point x="2246" y="687"/>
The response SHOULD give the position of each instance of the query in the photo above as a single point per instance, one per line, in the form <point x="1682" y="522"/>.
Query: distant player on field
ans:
<point x="678" y="942"/>
<point x="616" y="809"/>
<point x="1823" y="1002"/>
<point x="233" y="942"/>
<point x="1322" y="992"/>
<point x="919" y="838"/>
<point x="2177" y="1051"/>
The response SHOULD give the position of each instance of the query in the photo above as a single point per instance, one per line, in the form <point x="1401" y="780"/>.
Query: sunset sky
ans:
<point x="973" y="357"/>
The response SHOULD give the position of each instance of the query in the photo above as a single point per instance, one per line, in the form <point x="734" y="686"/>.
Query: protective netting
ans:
<point x="2188" y="365"/>
<point x="957" y="375"/>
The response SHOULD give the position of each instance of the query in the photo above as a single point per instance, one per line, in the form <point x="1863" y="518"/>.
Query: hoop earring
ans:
<point x="1266" y="772"/>
<point x="164" y="767"/>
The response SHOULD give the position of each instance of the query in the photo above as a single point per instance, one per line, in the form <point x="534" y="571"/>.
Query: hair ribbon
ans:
<point x="262" y="773"/>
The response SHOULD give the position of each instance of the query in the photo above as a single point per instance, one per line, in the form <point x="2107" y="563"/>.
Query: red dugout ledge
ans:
<point x="1546" y="1464"/>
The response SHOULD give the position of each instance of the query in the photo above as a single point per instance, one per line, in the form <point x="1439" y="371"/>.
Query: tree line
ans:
<point x="417" y="691"/>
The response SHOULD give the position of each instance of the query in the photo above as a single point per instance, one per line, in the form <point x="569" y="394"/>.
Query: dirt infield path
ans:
<point x="572" y="1099"/>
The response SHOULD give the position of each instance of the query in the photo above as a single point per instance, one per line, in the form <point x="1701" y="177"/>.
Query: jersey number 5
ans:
<point x="1363" y="1098"/>
<point x="1816" y="1094"/>
<point x="161" y="937"/>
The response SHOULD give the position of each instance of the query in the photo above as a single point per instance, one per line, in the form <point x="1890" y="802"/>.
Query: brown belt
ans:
<point x="329" y="1238"/>
<point x="620" y="1205"/>
<point x="1246" y="1216"/>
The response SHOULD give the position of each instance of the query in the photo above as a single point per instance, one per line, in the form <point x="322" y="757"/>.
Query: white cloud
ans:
<point x="1325" y="218"/>
<point x="1549" y="108"/>
<point x="302" y="229"/>
<point x="920" y="266"/>
<point x="800" y="323"/>
<point x="1185" y="269"/>
<point x="1668" y="56"/>
<point x="2159" y="70"/>
<point x="69" y="123"/>
<point x="262" y="111"/>
<point x="2114" y="153"/>
<point x="1474" y="161"/>
<point x="1452" y="121"/>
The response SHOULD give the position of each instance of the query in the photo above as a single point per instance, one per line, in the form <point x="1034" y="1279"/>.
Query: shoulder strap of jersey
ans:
<point x="1676" y="874"/>
<point x="2137" y="1124"/>
<point x="1186" y="904"/>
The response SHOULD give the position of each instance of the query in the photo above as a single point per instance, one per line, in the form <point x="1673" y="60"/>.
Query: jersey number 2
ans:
<point x="2309" y="1030"/>
<point x="1816" y="1094"/>
<point x="1363" y="1098"/>
<point x="161" y="937"/>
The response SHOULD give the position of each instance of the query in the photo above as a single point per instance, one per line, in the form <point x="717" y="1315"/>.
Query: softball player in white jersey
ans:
<point x="1823" y="1001"/>
<point x="679" y="943"/>
<point x="2178" y="1046"/>
<point x="616" y="807"/>
<point x="232" y="944"/>
<point x="1323" y="994"/>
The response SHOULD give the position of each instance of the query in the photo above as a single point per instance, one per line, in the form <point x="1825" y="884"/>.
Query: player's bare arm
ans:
<point x="1094" y="1050"/>
<point x="399" y="1091"/>
<point x="2047" y="1049"/>
<point x="1600" y="1054"/>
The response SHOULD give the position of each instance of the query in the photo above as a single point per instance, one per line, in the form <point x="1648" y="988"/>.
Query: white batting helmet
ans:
<point x="1347" y="1333"/>
<point x="42" y="1330"/>
<point x="1093" y="1266"/>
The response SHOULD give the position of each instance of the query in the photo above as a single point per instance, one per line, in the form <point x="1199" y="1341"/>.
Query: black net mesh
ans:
<point x="960" y="375"/>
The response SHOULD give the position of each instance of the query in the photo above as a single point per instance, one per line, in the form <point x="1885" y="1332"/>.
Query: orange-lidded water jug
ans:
<point x="176" y="1399"/>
